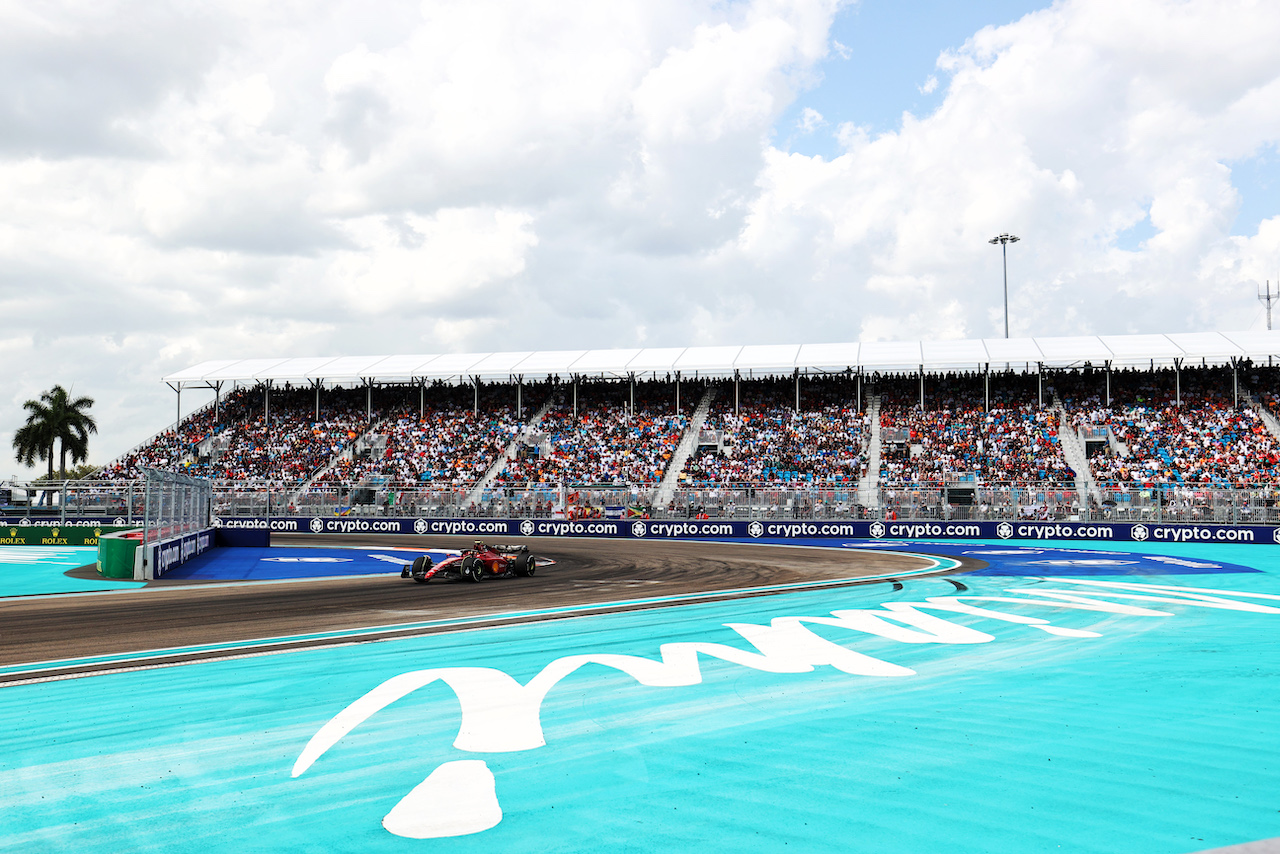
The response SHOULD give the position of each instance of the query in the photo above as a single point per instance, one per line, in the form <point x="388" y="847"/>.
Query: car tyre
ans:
<point x="421" y="565"/>
<point x="472" y="568"/>
<point x="523" y="565"/>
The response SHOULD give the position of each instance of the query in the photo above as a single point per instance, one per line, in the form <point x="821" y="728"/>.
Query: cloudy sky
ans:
<point x="234" y="179"/>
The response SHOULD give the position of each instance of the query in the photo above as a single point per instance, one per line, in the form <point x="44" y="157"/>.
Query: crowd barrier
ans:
<point x="761" y="530"/>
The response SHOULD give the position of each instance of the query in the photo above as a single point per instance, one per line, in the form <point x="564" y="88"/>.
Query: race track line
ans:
<point x="72" y="668"/>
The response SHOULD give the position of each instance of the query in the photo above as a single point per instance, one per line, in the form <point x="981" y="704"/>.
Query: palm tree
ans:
<point x="55" y="417"/>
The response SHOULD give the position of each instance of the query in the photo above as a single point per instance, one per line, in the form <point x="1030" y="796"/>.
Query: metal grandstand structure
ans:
<point x="1218" y="348"/>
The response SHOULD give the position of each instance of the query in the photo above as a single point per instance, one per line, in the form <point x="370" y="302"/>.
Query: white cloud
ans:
<point x="261" y="179"/>
<point x="810" y="120"/>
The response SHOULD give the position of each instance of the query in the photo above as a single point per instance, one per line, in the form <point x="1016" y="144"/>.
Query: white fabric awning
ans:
<point x="759" y="359"/>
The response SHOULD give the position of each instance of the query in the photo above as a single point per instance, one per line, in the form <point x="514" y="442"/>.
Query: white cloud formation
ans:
<point x="258" y="179"/>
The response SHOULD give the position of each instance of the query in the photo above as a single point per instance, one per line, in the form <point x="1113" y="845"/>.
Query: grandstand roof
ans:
<point x="1216" y="347"/>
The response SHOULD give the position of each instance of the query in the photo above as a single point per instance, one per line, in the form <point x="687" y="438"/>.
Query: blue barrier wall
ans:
<point x="761" y="529"/>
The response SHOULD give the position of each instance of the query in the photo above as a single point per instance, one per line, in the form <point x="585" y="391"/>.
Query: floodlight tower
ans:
<point x="1004" y="240"/>
<point x="1267" y="298"/>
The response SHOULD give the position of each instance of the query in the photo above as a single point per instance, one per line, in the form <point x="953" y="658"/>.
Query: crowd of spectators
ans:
<point x="968" y="430"/>
<point x="1160" y="427"/>
<point x="610" y="440"/>
<point x="1175" y="428"/>
<point x="446" y="437"/>
<point x="766" y="440"/>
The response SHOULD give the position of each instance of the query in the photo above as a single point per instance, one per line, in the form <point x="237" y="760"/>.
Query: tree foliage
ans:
<point x="58" y="419"/>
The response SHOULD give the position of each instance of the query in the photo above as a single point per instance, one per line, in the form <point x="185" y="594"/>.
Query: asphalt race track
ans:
<point x="174" y="613"/>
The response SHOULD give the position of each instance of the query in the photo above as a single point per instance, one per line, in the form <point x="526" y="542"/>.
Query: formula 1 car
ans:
<point x="475" y="564"/>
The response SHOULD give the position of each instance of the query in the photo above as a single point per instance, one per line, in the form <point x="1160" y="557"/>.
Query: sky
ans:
<point x="234" y="179"/>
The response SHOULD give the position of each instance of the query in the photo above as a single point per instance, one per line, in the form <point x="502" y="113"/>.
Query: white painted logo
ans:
<point x="501" y="715"/>
<point x="1082" y="562"/>
<point x="312" y="560"/>
<point x="316" y="526"/>
<point x="527" y="527"/>
<point x="1139" y="532"/>
<point x="119" y="521"/>
<point x="877" y="529"/>
<point x="1004" y="530"/>
<point x="1006" y="552"/>
<point x="638" y="529"/>
<point x="420" y="526"/>
<point x="755" y="529"/>
<point x="1275" y="534"/>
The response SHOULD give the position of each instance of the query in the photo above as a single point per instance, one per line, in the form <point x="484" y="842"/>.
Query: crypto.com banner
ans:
<point x="765" y="529"/>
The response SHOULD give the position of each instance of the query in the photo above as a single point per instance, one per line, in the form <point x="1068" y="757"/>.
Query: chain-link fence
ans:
<point x="174" y="504"/>
<point x="129" y="502"/>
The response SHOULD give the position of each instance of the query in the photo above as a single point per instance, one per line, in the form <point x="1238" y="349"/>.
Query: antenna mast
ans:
<point x="1268" y="298"/>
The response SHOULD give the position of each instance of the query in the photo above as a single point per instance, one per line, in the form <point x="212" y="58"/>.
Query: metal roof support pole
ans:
<point x="1235" y="380"/>
<point x="1177" y="381"/>
<point x="859" y="389"/>
<point x="1108" y="382"/>
<point x="986" y="389"/>
<point x="633" y="395"/>
<point x="797" y="391"/>
<point x="422" y="399"/>
<point x="368" y="400"/>
<point x="677" y="392"/>
<point x="736" y="377"/>
<point x="1040" y="382"/>
<point x="575" y="397"/>
<point x="922" y="388"/>
<point x="475" y="407"/>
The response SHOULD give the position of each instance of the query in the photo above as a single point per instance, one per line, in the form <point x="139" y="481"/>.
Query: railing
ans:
<point x="1188" y="503"/>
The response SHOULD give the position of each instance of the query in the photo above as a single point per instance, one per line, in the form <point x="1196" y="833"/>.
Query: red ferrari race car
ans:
<point x="476" y="564"/>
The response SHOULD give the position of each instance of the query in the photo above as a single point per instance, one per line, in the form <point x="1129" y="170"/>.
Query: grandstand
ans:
<point x="1050" y="428"/>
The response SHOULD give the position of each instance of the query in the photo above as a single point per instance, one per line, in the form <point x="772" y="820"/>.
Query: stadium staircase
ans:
<point x="477" y="492"/>
<point x="346" y="453"/>
<point x="1073" y="451"/>
<point x="1269" y="420"/>
<point x="688" y="445"/>
<point x="868" y="487"/>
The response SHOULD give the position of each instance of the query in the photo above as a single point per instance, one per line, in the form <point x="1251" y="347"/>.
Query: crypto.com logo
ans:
<point x="527" y="527"/>
<point x="500" y="715"/>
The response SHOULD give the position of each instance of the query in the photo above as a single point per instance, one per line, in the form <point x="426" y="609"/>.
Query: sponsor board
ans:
<point x="768" y="529"/>
<point x="37" y="521"/>
<point x="52" y="535"/>
<point x="169" y="554"/>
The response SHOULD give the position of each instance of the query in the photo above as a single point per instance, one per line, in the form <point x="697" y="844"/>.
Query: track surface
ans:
<point x="170" y="614"/>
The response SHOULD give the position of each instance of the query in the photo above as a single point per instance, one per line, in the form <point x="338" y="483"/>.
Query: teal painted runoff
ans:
<point x="1158" y="735"/>
<point x="33" y="570"/>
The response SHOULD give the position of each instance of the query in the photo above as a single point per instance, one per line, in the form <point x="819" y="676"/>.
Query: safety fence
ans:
<point x="126" y="503"/>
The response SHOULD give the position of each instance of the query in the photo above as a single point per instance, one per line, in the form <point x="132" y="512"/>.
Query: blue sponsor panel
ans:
<point x="769" y="529"/>
<point x="1022" y="561"/>
<point x="266" y="564"/>
<point x="171" y="554"/>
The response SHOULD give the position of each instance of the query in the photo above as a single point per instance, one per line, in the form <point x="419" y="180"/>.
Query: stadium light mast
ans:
<point x="1267" y="298"/>
<point x="1004" y="240"/>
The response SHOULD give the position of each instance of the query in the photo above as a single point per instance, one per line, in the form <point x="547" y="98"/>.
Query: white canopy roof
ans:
<point x="759" y="359"/>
